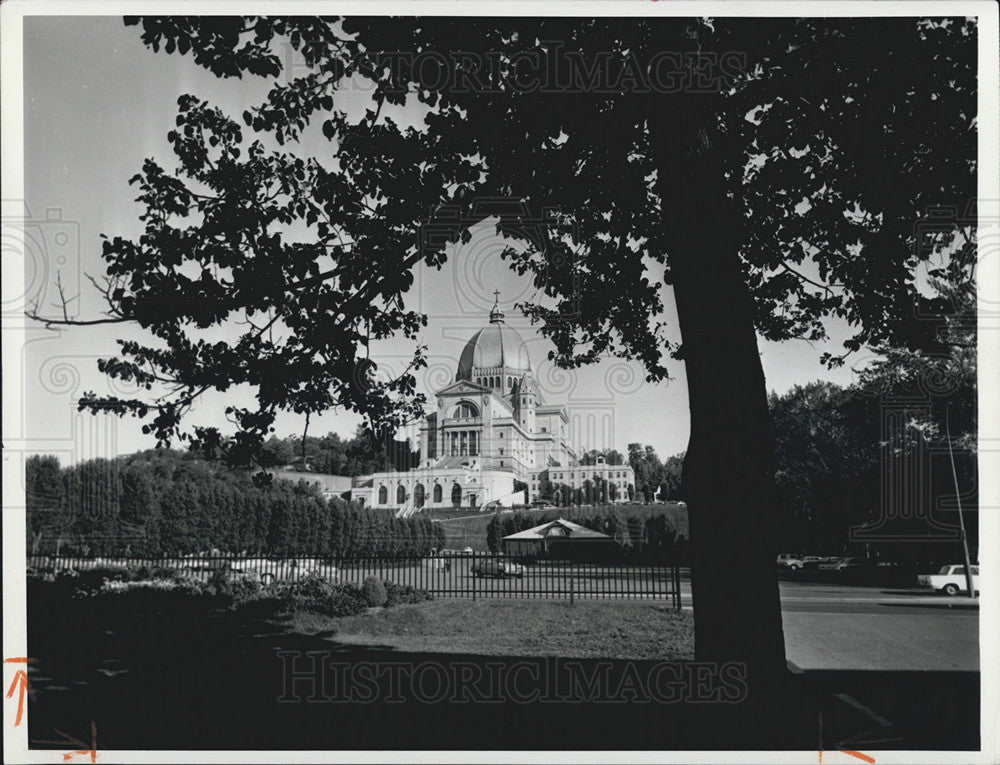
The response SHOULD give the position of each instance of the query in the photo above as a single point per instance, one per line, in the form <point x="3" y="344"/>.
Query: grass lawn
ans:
<point x="501" y="627"/>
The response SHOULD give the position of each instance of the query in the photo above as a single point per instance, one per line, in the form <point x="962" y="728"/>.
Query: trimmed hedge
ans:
<point x="110" y="587"/>
<point x="374" y="591"/>
<point x="396" y="594"/>
<point x="149" y="505"/>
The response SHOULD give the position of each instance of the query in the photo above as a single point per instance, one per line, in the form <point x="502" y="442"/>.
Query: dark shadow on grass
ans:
<point x="202" y="678"/>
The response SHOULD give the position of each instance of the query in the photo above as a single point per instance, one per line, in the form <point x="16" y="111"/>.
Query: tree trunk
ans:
<point x="728" y="472"/>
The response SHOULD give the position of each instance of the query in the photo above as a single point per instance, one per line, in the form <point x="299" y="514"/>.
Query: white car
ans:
<point x="270" y="570"/>
<point x="950" y="579"/>
<point x="790" y="561"/>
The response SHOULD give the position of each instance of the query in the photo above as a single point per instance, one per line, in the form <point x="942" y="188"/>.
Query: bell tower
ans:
<point x="525" y="401"/>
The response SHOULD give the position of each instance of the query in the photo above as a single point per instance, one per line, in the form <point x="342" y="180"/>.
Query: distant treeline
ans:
<point x="646" y="536"/>
<point x="362" y="454"/>
<point x="162" y="502"/>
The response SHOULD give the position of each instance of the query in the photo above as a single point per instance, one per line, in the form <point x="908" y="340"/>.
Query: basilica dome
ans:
<point x="496" y="348"/>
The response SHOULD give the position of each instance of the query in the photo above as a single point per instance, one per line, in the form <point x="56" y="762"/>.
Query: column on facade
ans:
<point x="473" y="443"/>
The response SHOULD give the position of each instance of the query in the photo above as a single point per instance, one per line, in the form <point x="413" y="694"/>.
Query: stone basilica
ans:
<point x="491" y="427"/>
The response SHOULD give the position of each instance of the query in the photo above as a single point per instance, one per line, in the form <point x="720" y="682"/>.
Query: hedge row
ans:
<point x="172" y="506"/>
<point x="146" y="589"/>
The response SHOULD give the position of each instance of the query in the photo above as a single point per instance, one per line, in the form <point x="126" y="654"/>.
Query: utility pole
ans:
<point x="961" y="522"/>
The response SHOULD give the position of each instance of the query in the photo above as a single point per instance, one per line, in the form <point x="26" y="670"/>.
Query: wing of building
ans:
<point x="490" y="428"/>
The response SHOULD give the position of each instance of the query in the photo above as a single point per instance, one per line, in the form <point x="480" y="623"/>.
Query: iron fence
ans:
<point x="466" y="575"/>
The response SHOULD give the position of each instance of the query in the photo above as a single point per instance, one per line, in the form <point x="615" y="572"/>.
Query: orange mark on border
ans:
<point x="859" y="755"/>
<point x="19" y="684"/>
<point x="821" y="738"/>
<point x="92" y="752"/>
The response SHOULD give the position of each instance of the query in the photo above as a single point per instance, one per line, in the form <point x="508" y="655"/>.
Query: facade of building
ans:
<point x="585" y="483"/>
<point x="491" y="427"/>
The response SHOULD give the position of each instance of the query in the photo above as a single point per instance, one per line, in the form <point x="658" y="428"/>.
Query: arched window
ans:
<point x="465" y="410"/>
<point x="418" y="495"/>
<point x="509" y="382"/>
<point x="456" y="495"/>
<point x="383" y="495"/>
<point x="400" y="494"/>
<point x="437" y="494"/>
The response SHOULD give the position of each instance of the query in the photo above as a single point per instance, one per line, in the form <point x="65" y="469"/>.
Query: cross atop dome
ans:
<point x="496" y="315"/>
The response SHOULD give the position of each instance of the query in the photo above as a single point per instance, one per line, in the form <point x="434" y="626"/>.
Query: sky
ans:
<point x="97" y="103"/>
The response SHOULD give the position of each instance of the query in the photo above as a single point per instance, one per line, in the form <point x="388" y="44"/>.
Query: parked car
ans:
<point x="811" y="562"/>
<point x="439" y="563"/>
<point x="467" y="551"/>
<point x="950" y="579"/>
<point x="270" y="570"/>
<point x="495" y="567"/>
<point x="210" y="561"/>
<point x="790" y="561"/>
<point x="847" y="565"/>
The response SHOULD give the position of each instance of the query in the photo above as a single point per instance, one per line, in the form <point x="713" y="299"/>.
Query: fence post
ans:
<point x="571" y="588"/>
<point x="676" y="573"/>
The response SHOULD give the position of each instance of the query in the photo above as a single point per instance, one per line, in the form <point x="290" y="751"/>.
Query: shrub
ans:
<point x="397" y="594"/>
<point x="241" y="588"/>
<point x="259" y="606"/>
<point x="374" y="591"/>
<point x="314" y="593"/>
<point x="91" y="580"/>
<point x="141" y="585"/>
<point x="218" y="580"/>
<point x="345" y="600"/>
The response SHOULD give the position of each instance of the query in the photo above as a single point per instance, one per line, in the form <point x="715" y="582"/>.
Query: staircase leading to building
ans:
<point x="409" y="508"/>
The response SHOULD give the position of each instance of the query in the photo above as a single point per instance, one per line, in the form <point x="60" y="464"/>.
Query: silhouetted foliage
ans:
<point x="788" y="186"/>
<point x="361" y="454"/>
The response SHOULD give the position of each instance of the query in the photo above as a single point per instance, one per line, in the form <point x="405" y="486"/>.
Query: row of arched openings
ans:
<point x="495" y="382"/>
<point x="420" y="495"/>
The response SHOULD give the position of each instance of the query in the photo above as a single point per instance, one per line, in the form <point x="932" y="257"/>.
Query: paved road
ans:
<point x="876" y="628"/>
<point x="822" y="598"/>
